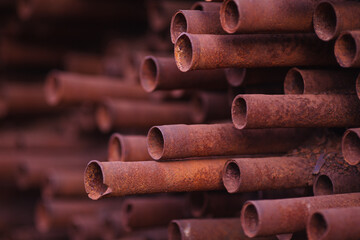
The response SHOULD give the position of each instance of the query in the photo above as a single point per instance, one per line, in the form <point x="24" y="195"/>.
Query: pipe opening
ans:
<point x="198" y="6"/>
<point x="115" y="148"/>
<point x="317" y="227"/>
<point x="197" y="203"/>
<point x="94" y="181"/>
<point x="52" y="90"/>
<point x="294" y="82"/>
<point x="239" y="112"/>
<point x="250" y="220"/>
<point x="42" y="218"/>
<point x="155" y="143"/>
<point x="231" y="177"/>
<point x="149" y="74"/>
<point x="345" y="50"/>
<point x="323" y="186"/>
<point x="351" y="148"/>
<point x="235" y="76"/>
<point x="129" y="208"/>
<point x="178" y="26"/>
<point x="103" y="118"/>
<point x="174" y="231"/>
<point x="183" y="53"/>
<point x="325" y="21"/>
<point x="231" y="16"/>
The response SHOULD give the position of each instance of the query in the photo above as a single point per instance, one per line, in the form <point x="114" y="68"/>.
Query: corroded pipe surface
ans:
<point x="332" y="18"/>
<point x="268" y="217"/>
<point x="184" y="141"/>
<point x="270" y="111"/>
<point x="335" y="182"/>
<point x="128" y="178"/>
<point x="206" y="51"/>
<point x="351" y="146"/>
<point x="206" y="6"/>
<point x="161" y="73"/>
<point x="256" y="174"/>
<point x="131" y="148"/>
<point x="357" y="85"/>
<point x="335" y="223"/>
<point x="347" y="50"/>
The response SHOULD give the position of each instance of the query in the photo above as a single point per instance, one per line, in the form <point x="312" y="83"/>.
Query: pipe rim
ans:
<point x="94" y="180"/>
<point x="149" y="74"/>
<point x="198" y="203"/>
<point x="53" y="88"/>
<point x="156" y="143"/>
<point x="351" y="146"/>
<point x="178" y="25"/>
<point x="325" y="21"/>
<point x="231" y="176"/>
<point x="317" y="227"/>
<point x="230" y="16"/>
<point x="183" y="52"/>
<point x="235" y="76"/>
<point x="239" y="111"/>
<point x="345" y="49"/>
<point x="323" y="185"/>
<point x="116" y="150"/>
<point x="250" y="219"/>
<point x="294" y="82"/>
<point x="103" y="118"/>
<point x="175" y="232"/>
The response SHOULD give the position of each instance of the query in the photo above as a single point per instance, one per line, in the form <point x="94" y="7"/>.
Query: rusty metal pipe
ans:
<point x="344" y="180"/>
<point x="128" y="178"/>
<point x="346" y="49"/>
<point x="357" y="86"/>
<point x="256" y="174"/>
<point x="332" y="18"/>
<point x="161" y="73"/>
<point x="130" y="148"/>
<point x="351" y="146"/>
<point x="335" y="223"/>
<point x="269" y="217"/>
<point x="321" y="81"/>
<point x="83" y="227"/>
<point x="184" y="141"/>
<point x="196" y="22"/>
<point x="206" y="51"/>
<point x="206" y="6"/>
<point x="269" y="111"/>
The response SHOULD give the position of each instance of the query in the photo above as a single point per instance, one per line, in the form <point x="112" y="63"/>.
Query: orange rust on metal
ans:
<point x="128" y="148"/>
<point x="161" y="73"/>
<point x="256" y="174"/>
<point x="194" y="21"/>
<point x="268" y="217"/>
<point x="73" y="88"/>
<point x="351" y="146"/>
<point x="206" y="51"/>
<point x="106" y="179"/>
<point x="184" y="141"/>
<point x="347" y="49"/>
<point x="335" y="223"/>
<point x="332" y="18"/>
<point x="320" y="81"/>
<point x="206" y="6"/>
<point x="269" y="111"/>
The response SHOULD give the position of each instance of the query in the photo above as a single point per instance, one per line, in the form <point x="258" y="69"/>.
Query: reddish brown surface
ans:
<point x="351" y="146"/>
<point x="206" y="6"/>
<point x="347" y="51"/>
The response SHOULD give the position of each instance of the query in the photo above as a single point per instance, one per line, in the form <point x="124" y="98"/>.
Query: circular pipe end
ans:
<point x="325" y="21"/>
<point x="294" y="82"/>
<point x="317" y="227"/>
<point x="178" y="25"/>
<point x="250" y="219"/>
<point x="115" y="150"/>
<point x="149" y="74"/>
<point x="183" y="52"/>
<point x="230" y="16"/>
<point x="198" y="203"/>
<point x="53" y="89"/>
<point x="103" y="118"/>
<point x="155" y="140"/>
<point x="323" y="186"/>
<point x="126" y="209"/>
<point x="94" y="180"/>
<point x="351" y="146"/>
<point x="235" y="76"/>
<point x="239" y="112"/>
<point x="231" y="176"/>
<point x="174" y="231"/>
<point x="345" y="50"/>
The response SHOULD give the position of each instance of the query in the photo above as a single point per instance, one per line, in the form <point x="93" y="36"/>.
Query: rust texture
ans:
<point x="311" y="81"/>
<point x="253" y="111"/>
<point x="196" y="22"/>
<point x="344" y="181"/>
<point x="128" y="178"/>
<point x="351" y="146"/>
<point x="184" y="141"/>
<point x="128" y="148"/>
<point x="161" y="73"/>
<point x="206" y="51"/>
<point x="268" y="217"/>
<point x="335" y="223"/>
<point x="206" y="6"/>
<point x="347" y="49"/>
<point x="332" y="18"/>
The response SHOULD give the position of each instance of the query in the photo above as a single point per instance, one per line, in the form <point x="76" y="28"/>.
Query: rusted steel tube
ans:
<point x="128" y="178"/>
<point x="332" y="18"/>
<point x="196" y="229"/>
<point x="269" y="111"/>
<point x="256" y="174"/>
<point x="351" y="146"/>
<point x="138" y="213"/>
<point x="184" y="141"/>
<point x="346" y="49"/>
<point x="311" y="81"/>
<point x="206" y="6"/>
<point x="71" y="88"/>
<point x="206" y="51"/>
<point x="117" y="114"/>
<point x="161" y="73"/>
<point x="87" y="226"/>
<point x="194" y="21"/>
<point x="130" y="148"/>
<point x="335" y="223"/>
<point x="269" y="217"/>
<point x="345" y="181"/>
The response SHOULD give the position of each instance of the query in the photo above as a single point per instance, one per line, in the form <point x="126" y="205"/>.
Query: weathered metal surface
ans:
<point x="311" y="81"/>
<point x="357" y="85"/>
<point x="161" y="73"/>
<point x="206" y="51"/>
<point x="184" y="141"/>
<point x="335" y="223"/>
<point x="206" y="6"/>
<point x="85" y="227"/>
<point x="351" y="146"/>
<point x="344" y="181"/>
<point x="268" y="217"/>
<point x="270" y="111"/>
<point x="347" y="49"/>
<point x="332" y="18"/>
<point x="128" y="178"/>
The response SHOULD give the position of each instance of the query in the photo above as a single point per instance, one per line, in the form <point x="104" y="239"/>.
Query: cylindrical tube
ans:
<point x="161" y="73"/>
<point x="132" y="148"/>
<point x="332" y="18"/>
<point x="206" y="6"/>
<point x="335" y="182"/>
<point x="311" y="81"/>
<point x="269" y="217"/>
<point x="357" y="85"/>
<point x="351" y="146"/>
<point x="270" y="111"/>
<point x="128" y="178"/>
<point x="347" y="50"/>
<point x="335" y="223"/>
<point x="205" y="51"/>
<point x="256" y="174"/>
<point x="184" y="141"/>
<point x="87" y="226"/>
